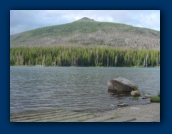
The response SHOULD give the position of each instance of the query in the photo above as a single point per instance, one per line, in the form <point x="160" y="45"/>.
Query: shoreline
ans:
<point x="85" y="66"/>
<point x="136" y="113"/>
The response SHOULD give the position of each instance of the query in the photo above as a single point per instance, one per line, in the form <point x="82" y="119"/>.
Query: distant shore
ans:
<point x="80" y="66"/>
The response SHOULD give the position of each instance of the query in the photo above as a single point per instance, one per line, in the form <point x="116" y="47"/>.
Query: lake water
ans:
<point x="76" y="88"/>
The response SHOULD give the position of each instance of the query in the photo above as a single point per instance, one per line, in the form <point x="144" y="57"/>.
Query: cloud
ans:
<point x="23" y="20"/>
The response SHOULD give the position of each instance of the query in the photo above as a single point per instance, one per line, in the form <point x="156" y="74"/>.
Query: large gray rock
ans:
<point x="121" y="85"/>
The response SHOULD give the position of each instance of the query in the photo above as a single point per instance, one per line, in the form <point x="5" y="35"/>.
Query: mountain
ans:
<point x="87" y="32"/>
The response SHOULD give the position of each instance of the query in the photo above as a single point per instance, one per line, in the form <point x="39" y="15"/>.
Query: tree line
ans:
<point x="83" y="56"/>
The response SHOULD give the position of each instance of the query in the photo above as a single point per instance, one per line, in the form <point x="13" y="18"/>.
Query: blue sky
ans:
<point x="24" y="20"/>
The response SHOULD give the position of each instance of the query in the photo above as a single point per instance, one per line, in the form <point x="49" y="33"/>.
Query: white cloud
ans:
<point x="23" y="20"/>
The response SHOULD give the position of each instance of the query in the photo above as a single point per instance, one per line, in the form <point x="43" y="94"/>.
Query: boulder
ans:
<point x="147" y="96"/>
<point x="135" y="93"/>
<point x="121" y="85"/>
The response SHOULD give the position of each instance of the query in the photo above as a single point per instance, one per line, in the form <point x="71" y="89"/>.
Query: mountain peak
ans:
<point x="86" y="19"/>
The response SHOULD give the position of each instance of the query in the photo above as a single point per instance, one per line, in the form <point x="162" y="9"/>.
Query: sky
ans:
<point x="24" y="20"/>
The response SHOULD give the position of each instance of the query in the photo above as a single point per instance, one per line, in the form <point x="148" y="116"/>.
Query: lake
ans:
<point x="76" y="88"/>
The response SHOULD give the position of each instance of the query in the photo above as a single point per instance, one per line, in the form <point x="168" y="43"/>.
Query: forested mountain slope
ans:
<point x="83" y="56"/>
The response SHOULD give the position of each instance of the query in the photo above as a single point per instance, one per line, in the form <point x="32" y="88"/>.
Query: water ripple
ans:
<point x="75" y="88"/>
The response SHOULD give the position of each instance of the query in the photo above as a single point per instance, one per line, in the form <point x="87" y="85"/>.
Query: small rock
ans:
<point x="135" y="93"/>
<point x="122" y="104"/>
<point x="147" y="96"/>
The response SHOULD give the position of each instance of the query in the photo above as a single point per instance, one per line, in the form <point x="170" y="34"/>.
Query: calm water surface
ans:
<point x="75" y="88"/>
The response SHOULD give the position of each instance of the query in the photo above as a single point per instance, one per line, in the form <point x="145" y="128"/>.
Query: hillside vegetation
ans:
<point x="87" y="32"/>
